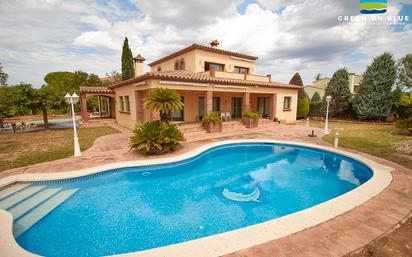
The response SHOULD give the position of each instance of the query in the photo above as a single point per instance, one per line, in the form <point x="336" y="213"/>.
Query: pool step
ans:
<point x="12" y="189"/>
<point x="41" y="210"/>
<point x="28" y="204"/>
<point x="19" y="196"/>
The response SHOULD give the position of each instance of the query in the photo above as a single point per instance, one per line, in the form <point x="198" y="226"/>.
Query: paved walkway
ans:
<point x="336" y="237"/>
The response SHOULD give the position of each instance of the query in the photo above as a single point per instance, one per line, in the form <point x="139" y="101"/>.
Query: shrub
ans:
<point x="405" y="124"/>
<point x="303" y="107"/>
<point x="252" y="115"/>
<point x="404" y="108"/>
<point x="211" y="117"/>
<point x="316" y="98"/>
<point x="155" y="137"/>
<point x="314" y="110"/>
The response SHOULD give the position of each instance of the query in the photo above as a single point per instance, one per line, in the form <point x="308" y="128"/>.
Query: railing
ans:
<point x="232" y="75"/>
<point x="257" y="78"/>
<point x="229" y="75"/>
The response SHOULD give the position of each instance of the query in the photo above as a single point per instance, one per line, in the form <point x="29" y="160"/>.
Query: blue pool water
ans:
<point x="132" y="209"/>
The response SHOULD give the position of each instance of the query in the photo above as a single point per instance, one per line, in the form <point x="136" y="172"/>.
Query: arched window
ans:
<point x="182" y="64"/>
<point x="159" y="68"/>
<point x="176" y="64"/>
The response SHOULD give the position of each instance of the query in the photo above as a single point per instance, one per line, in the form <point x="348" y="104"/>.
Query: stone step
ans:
<point x="36" y="214"/>
<point x="19" y="196"/>
<point x="28" y="204"/>
<point x="12" y="189"/>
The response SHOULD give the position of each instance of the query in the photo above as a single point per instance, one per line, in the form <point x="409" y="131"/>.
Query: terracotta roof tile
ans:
<point x="199" y="77"/>
<point x="205" y="48"/>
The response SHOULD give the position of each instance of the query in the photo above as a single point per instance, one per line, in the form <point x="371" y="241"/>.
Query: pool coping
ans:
<point x="230" y="241"/>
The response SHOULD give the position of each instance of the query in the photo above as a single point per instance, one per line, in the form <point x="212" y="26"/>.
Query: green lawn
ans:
<point x="373" y="138"/>
<point x="22" y="149"/>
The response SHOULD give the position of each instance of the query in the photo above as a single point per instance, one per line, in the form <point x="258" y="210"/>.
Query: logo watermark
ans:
<point x="373" y="6"/>
<point x="377" y="8"/>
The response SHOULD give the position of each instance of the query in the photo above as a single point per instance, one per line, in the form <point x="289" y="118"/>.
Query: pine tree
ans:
<point x="303" y="99"/>
<point x="338" y="89"/>
<point x="127" y="61"/>
<point x="374" y="98"/>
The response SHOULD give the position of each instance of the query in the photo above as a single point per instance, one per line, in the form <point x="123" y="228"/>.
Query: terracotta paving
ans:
<point x="336" y="237"/>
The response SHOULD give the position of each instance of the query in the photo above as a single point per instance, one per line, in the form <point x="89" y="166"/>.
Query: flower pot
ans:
<point x="212" y="127"/>
<point x="250" y="123"/>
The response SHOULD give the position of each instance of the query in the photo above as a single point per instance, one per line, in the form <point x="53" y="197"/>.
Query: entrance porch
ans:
<point x="97" y="103"/>
<point x="198" y="103"/>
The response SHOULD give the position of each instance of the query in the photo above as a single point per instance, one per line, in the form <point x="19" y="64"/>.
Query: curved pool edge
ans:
<point x="231" y="241"/>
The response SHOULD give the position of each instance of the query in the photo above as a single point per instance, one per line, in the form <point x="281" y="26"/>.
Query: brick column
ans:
<point x="139" y="106"/>
<point x="246" y="102"/>
<point x="112" y="103"/>
<point x="273" y="103"/>
<point x="83" y="107"/>
<point x="209" y="101"/>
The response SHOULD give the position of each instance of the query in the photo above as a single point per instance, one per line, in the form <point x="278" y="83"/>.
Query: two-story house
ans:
<point x="321" y="84"/>
<point x="208" y="79"/>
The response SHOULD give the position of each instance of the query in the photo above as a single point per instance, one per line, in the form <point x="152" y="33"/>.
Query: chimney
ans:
<point x="214" y="44"/>
<point x="269" y="77"/>
<point x="138" y="65"/>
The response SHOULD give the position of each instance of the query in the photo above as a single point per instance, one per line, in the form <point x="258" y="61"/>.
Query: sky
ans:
<point x="288" y="36"/>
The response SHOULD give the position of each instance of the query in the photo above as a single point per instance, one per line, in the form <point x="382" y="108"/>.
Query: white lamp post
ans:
<point x="72" y="99"/>
<point x="328" y="99"/>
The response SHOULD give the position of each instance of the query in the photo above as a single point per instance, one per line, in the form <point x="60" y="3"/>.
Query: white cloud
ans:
<point x="96" y="39"/>
<point x="96" y="22"/>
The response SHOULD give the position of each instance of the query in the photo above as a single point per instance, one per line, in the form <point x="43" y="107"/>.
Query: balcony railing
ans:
<point x="232" y="75"/>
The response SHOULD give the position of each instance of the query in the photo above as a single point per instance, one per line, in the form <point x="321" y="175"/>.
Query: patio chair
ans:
<point x="223" y="116"/>
<point x="228" y="116"/>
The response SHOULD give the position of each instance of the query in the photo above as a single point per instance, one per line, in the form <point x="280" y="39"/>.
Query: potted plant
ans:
<point x="251" y="119"/>
<point x="212" y="122"/>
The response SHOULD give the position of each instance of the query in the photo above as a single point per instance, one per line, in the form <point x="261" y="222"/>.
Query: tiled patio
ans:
<point x="336" y="237"/>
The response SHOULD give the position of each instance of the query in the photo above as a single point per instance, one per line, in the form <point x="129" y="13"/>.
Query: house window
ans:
<point x="241" y="70"/>
<point x="176" y="64"/>
<point x="214" y="66"/>
<point x="127" y="103"/>
<point x="121" y="103"/>
<point x="182" y="64"/>
<point x="287" y="103"/>
<point x="355" y="88"/>
<point x="216" y="104"/>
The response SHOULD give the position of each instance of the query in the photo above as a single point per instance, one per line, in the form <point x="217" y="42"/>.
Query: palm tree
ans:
<point x="164" y="101"/>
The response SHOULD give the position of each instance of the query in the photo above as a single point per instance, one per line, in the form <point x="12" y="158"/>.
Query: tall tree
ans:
<point x="374" y="99"/>
<point x="45" y="99"/>
<point x="3" y="77"/>
<point x="127" y="61"/>
<point x="338" y="89"/>
<point x="405" y="72"/>
<point x="303" y="99"/>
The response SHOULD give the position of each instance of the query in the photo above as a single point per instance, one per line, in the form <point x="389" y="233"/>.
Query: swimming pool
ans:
<point x="225" y="188"/>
